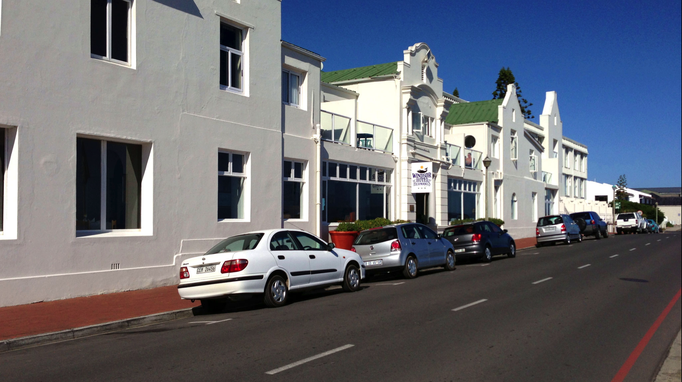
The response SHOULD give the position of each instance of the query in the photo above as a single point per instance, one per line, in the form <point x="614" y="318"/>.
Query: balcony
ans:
<point x="374" y="137"/>
<point x="452" y="153"/>
<point x="335" y="128"/>
<point x="472" y="159"/>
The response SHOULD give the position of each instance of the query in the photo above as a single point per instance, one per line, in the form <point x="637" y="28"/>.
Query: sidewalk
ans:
<point x="33" y="324"/>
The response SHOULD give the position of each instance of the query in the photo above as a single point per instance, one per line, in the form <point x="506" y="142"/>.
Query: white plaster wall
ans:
<point x="52" y="91"/>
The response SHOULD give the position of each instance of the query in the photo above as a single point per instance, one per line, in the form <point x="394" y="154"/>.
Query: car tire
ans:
<point x="450" y="261"/>
<point x="351" y="279"/>
<point x="410" y="268"/>
<point x="214" y="306"/>
<point x="487" y="254"/>
<point x="619" y="232"/>
<point x="276" y="292"/>
<point x="605" y="234"/>
<point x="512" y="250"/>
<point x="597" y="234"/>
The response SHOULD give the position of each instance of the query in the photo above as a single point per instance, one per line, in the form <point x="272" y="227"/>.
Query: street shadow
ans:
<point x="634" y="280"/>
<point x="187" y="6"/>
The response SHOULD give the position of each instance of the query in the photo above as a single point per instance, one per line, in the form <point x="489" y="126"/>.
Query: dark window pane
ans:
<point x="371" y="202"/>
<point x="119" y="30"/>
<point x="343" y="171"/>
<point x="353" y="172"/>
<point x="230" y="197"/>
<point x="287" y="169"/>
<point x="223" y="68"/>
<point x="230" y="36"/>
<point x="324" y="201"/>
<point x="292" y="200"/>
<point x="223" y="162"/>
<point x="363" y="173"/>
<point x="298" y="170"/>
<point x="372" y="174"/>
<point x="237" y="163"/>
<point x="285" y="87"/>
<point x="454" y="205"/>
<point x="236" y="71"/>
<point x="332" y="170"/>
<point x="124" y="185"/>
<point x="324" y="168"/>
<point x="469" y="206"/>
<point x="88" y="184"/>
<point x="98" y="27"/>
<point x="341" y="199"/>
<point x="380" y="175"/>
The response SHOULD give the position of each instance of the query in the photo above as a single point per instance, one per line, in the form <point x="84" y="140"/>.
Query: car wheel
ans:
<point x="410" y="269"/>
<point x="450" y="261"/>
<point x="213" y="306"/>
<point x="605" y="234"/>
<point x="487" y="255"/>
<point x="512" y="250"/>
<point x="619" y="232"/>
<point x="538" y="245"/>
<point x="351" y="280"/>
<point x="597" y="234"/>
<point x="276" y="292"/>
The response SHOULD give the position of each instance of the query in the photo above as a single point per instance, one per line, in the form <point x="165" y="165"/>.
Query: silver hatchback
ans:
<point x="407" y="247"/>
<point x="551" y="229"/>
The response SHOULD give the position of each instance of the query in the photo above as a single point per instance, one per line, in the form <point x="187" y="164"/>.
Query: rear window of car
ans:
<point x="458" y="230"/>
<point x="581" y="215"/>
<point x="237" y="243"/>
<point x="550" y="220"/>
<point x="377" y="236"/>
<point x="626" y="216"/>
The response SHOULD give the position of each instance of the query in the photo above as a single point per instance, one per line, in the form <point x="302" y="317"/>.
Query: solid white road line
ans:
<point x="584" y="266"/>
<point x="301" y="362"/>
<point x="208" y="322"/>
<point x="611" y="257"/>
<point x="469" y="305"/>
<point x="543" y="280"/>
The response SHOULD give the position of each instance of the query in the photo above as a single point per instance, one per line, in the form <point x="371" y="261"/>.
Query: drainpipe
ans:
<point x="318" y="182"/>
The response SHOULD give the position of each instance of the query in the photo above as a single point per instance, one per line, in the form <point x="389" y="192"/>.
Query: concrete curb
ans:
<point x="92" y="330"/>
<point x="671" y="371"/>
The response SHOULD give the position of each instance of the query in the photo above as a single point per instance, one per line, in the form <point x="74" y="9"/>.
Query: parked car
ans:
<point x="553" y="228"/>
<point x="629" y="222"/>
<point x="270" y="262"/>
<point x="407" y="247"/>
<point x="653" y="227"/>
<point x="590" y="224"/>
<point x="480" y="240"/>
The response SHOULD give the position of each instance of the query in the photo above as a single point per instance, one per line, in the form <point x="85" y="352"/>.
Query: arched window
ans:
<point x="514" y="207"/>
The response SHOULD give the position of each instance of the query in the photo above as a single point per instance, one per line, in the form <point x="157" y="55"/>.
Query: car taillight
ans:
<point x="476" y="238"/>
<point x="234" y="266"/>
<point x="537" y="232"/>
<point x="184" y="273"/>
<point x="563" y="228"/>
<point x="353" y="249"/>
<point x="395" y="246"/>
<point x="592" y="222"/>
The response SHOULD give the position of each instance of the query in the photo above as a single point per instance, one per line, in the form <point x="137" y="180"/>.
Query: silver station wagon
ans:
<point x="407" y="247"/>
<point x="554" y="228"/>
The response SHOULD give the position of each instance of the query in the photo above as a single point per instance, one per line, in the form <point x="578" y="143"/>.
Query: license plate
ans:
<point x="374" y="262"/>
<point x="460" y="250"/>
<point x="207" y="269"/>
<point x="550" y="229"/>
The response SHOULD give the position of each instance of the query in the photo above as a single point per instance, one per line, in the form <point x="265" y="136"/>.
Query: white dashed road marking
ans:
<point x="543" y="280"/>
<point x="400" y="283"/>
<point x="632" y="249"/>
<point x="484" y="265"/>
<point x="658" y="240"/>
<point x="301" y="362"/>
<point x="208" y="322"/>
<point x="647" y="244"/>
<point x="469" y="305"/>
<point x="611" y="257"/>
<point x="584" y="266"/>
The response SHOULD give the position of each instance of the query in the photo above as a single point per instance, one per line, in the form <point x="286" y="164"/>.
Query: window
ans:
<point x="514" y="146"/>
<point x="352" y="192"/>
<point x="463" y="199"/>
<point x="584" y="164"/>
<point x="232" y="176"/>
<point x="532" y="164"/>
<point x="231" y="57"/>
<point x="110" y="29"/>
<point x="576" y="161"/>
<point x="290" y="88"/>
<point x="293" y="190"/>
<point x="555" y="150"/>
<point x="534" y="205"/>
<point x="494" y="147"/>
<point x="576" y="190"/>
<point x="421" y="124"/>
<point x="108" y="185"/>
<point x="514" y="207"/>
<point x="567" y="185"/>
<point x="549" y="202"/>
<point x="567" y="158"/>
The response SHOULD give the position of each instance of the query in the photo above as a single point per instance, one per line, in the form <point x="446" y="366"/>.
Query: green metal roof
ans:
<point x="473" y="112"/>
<point x="358" y="73"/>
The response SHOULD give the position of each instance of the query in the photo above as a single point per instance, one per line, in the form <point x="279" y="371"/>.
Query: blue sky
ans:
<point x="615" y="65"/>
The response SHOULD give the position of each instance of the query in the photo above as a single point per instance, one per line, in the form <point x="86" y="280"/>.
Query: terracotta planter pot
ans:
<point x="343" y="240"/>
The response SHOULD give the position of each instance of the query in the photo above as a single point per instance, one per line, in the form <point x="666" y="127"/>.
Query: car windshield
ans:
<point x="458" y="230"/>
<point x="626" y="216"/>
<point x="237" y="243"/>
<point x="550" y="220"/>
<point x="377" y="236"/>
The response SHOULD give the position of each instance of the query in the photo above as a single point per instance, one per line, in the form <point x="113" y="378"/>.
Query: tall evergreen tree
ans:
<point x="455" y="93"/>
<point x="505" y="78"/>
<point x="621" y="186"/>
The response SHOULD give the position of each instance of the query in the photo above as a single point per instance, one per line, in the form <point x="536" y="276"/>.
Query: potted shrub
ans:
<point x="344" y="235"/>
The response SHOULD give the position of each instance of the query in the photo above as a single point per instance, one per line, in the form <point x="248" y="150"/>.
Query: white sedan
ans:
<point x="272" y="262"/>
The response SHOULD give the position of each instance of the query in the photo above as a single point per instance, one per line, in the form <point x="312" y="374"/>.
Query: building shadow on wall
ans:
<point x="187" y="6"/>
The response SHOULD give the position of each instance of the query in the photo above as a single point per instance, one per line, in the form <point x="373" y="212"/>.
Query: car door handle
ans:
<point x="429" y="243"/>
<point x="311" y="256"/>
<point x="413" y="243"/>
<point x="280" y="257"/>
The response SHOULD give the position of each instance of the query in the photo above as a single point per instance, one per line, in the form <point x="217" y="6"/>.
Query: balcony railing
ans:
<point x="374" y="137"/>
<point x="452" y="153"/>
<point x="472" y="159"/>
<point x="547" y="177"/>
<point x="335" y="128"/>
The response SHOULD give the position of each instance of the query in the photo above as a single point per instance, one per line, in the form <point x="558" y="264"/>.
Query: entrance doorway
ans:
<point x="422" y="208"/>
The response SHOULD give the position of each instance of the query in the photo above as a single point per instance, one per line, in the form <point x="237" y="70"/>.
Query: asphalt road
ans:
<point x="560" y="313"/>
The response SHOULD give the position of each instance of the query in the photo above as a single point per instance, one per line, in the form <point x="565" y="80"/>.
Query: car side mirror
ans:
<point x="505" y="231"/>
<point x="440" y="235"/>
<point x="330" y="246"/>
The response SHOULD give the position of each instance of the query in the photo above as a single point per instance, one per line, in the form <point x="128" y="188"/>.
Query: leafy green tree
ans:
<point x="455" y="93"/>
<point x="621" y="188"/>
<point x="506" y="77"/>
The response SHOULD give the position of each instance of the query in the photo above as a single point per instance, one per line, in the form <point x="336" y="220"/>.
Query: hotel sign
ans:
<point x="422" y="177"/>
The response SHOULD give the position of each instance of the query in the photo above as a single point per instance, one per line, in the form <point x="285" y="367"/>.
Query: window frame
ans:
<point x="130" y="34"/>
<point x="514" y="146"/>
<point x="230" y="51"/>
<point x="299" y="82"/>
<point x="246" y="189"/>
<point x="303" y="180"/>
